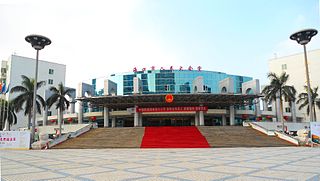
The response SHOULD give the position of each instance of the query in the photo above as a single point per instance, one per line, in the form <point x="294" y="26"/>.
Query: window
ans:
<point x="288" y="109"/>
<point x="50" y="81"/>
<point x="284" y="66"/>
<point x="51" y="71"/>
<point x="49" y="113"/>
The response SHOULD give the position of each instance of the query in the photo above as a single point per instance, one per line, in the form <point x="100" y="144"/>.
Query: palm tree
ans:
<point x="7" y="113"/>
<point x="278" y="87"/>
<point x="26" y="97"/>
<point x="59" y="97"/>
<point x="303" y="99"/>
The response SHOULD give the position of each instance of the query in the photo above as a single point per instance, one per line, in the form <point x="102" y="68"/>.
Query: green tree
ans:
<point x="303" y="99"/>
<point x="24" y="101"/>
<point x="7" y="113"/>
<point x="278" y="87"/>
<point x="61" y="102"/>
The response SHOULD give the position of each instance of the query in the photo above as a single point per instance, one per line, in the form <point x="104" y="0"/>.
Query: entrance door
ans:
<point x="165" y="121"/>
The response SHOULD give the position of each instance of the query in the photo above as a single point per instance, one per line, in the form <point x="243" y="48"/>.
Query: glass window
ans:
<point x="49" y="113"/>
<point x="51" y="71"/>
<point x="288" y="109"/>
<point x="50" y="81"/>
<point x="284" y="66"/>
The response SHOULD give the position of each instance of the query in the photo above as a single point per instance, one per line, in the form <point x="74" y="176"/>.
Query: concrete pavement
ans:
<point x="269" y="163"/>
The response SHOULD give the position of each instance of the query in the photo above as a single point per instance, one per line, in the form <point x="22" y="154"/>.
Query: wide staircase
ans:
<point x="106" y="138"/>
<point x="238" y="136"/>
<point x="173" y="137"/>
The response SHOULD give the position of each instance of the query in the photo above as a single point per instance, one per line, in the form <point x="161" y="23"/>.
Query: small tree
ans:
<point x="59" y="97"/>
<point x="278" y="87"/>
<point x="25" y="98"/>
<point x="303" y="99"/>
<point x="7" y="113"/>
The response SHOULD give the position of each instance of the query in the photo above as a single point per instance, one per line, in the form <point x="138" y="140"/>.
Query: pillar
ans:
<point x="265" y="105"/>
<point x="113" y="122"/>
<point x="224" y="120"/>
<point x="135" y="117"/>
<point x="257" y="107"/>
<point x="105" y="117"/>
<point x="72" y="106"/>
<point x="232" y="121"/>
<point x="201" y="118"/>
<point x="89" y="107"/>
<point x="196" y="120"/>
<point x="45" y="116"/>
<point x="80" y="112"/>
<point x="140" y="119"/>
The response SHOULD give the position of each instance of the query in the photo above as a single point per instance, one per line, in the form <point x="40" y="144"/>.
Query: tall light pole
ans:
<point x="303" y="37"/>
<point x="38" y="42"/>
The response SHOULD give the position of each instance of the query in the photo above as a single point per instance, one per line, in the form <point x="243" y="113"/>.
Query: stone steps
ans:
<point x="105" y="138"/>
<point x="239" y="136"/>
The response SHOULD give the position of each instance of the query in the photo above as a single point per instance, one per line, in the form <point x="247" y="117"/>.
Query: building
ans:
<point x="169" y="97"/>
<point x="15" y="66"/>
<point x="295" y="67"/>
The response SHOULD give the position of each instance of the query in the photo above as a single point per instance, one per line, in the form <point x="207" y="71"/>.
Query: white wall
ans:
<point x="18" y="66"/>
<point x="297" y="74"/>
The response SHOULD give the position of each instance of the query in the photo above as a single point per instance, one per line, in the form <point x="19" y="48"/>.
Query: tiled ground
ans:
<point x="282" y="163"/>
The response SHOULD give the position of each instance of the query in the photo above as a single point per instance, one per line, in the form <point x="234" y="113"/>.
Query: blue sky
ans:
<point x="98" y="38"/>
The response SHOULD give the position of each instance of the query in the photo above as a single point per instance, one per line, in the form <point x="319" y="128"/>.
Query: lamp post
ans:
<point x="303" y="37"/>
<point x="38" y="42"/>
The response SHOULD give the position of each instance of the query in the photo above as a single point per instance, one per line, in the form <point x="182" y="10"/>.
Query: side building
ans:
<point x="15" y="66"/>
<point x="294" y="66"/>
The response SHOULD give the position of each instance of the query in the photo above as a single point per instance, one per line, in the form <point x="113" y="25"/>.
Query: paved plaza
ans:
<point x="276" y="163"/>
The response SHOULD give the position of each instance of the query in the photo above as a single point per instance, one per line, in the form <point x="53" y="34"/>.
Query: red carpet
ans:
<point x="173" y="137"/>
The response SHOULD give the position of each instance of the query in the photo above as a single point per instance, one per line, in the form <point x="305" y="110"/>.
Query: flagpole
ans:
<point x="2" y="111"/>
<point x="7" y="122"/>
<point x="3" y="126"/>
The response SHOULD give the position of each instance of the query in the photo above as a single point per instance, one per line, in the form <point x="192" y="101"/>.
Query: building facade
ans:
<point x="295" y="67"/>
<point x="198" y="98"/>
<point x="15" y="66"/>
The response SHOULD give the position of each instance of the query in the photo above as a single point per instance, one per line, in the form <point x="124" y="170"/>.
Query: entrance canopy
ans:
<point x="213" y="101"/>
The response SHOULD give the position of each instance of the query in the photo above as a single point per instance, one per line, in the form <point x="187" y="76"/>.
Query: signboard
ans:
<point x="172" y="109"/>
<point x="190" y="68"/>
<point x="315" y="131"/>
<point x="14" y="139"/>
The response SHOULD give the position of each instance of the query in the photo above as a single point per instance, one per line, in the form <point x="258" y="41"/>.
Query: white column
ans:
<point x="136" y="117"/>
<point x="224" y="120"/>
<point x="80" y="112"/>
<point x="113" y="122"/>
<point x="89" y="107"/>
<point x="265" y="105"/>
<point x="257" y="107"/>
<point x="72" y="106"/>
<point x="201" y="118"/>
<point x="232" y="122"/>
<point x="140" y="120"/>
<point x="196" y="120"/>
<point x="45" y="116"/>
<point x="105" y="117"/>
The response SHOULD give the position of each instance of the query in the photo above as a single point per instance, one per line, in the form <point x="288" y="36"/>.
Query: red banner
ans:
<point x="172" y="109"/>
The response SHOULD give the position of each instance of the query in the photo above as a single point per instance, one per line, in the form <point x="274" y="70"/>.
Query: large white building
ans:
<point x="295" y="67"/>
<point x="15" y="66"/>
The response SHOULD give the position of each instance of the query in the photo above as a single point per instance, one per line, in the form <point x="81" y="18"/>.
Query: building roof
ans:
<point x="157" y="100"/>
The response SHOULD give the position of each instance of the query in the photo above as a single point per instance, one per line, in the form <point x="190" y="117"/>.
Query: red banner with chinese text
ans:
<point x="172" y="109"/>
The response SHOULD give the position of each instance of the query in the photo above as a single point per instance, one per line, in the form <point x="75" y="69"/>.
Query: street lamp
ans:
<point x="303" y="37"/>
<point x="38" y="42"/>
